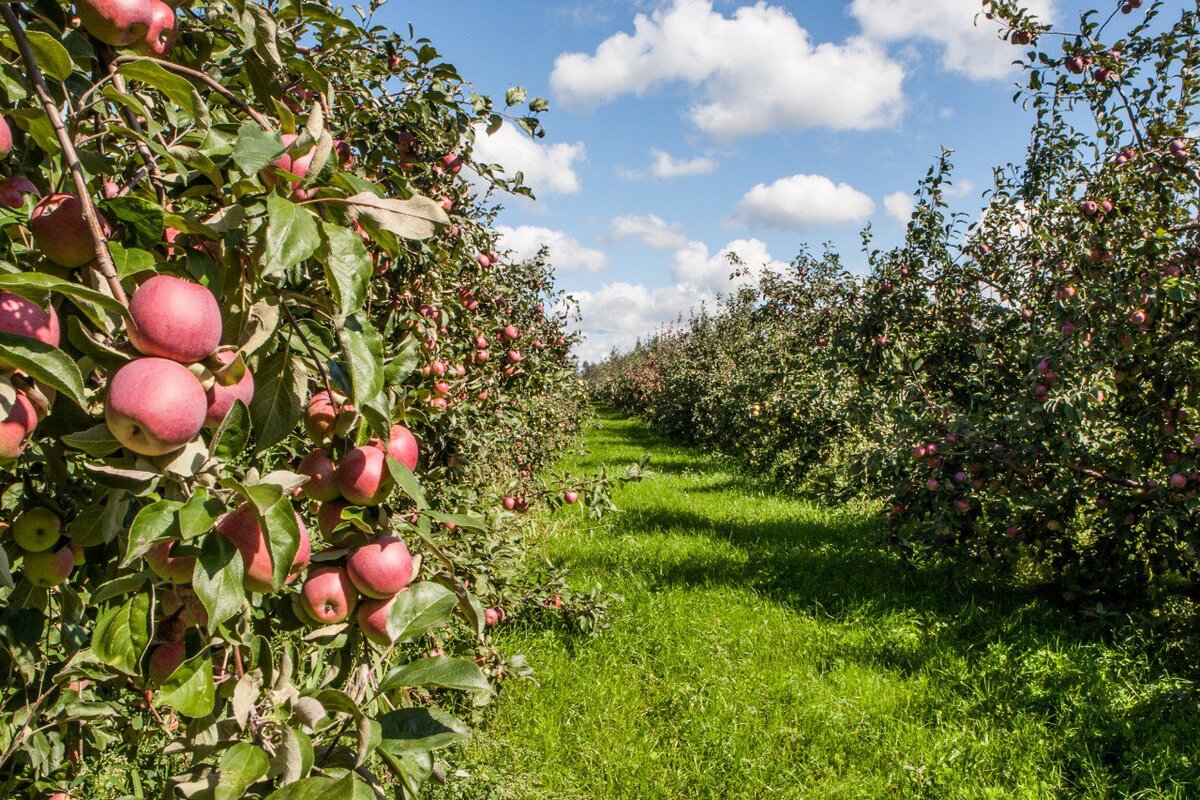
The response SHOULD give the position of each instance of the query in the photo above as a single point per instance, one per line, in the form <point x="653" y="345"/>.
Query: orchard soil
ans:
<point x="766" y="647"/>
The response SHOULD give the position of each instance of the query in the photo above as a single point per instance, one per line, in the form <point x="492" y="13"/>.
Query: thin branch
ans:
<point x="104" y="260"/>
<point x="295" y="326"/>
<point x="207" y="80"/>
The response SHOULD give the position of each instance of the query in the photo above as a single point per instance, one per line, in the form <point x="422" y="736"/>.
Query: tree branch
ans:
<point x="263" y="122"/>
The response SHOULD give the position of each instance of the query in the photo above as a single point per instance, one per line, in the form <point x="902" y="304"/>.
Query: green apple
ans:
<point x="50" y="567"/>
<point x="37" y="529"/>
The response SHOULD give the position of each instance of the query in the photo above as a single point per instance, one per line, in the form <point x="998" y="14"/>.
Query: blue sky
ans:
<point x="772" y="124"/>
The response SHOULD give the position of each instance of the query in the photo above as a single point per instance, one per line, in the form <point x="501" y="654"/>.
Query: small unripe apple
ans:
<point x="241" y="527"/>
<point x="61" y="232"/>
<point x="37" y="530"/>
<point x="116" y="22"/>
<point x="363" y="477"/>
<point x="49" y="568"/>
<point x="176" y="569"/>
<point x="319" y="468"/>
<point x="327" y="595"/>
<point x="165" y="659"/>
<point x="382" y="568"/>
<point x="154" y="406"/>
<point x="176" y="319"/>
<point x="221" y="397"/>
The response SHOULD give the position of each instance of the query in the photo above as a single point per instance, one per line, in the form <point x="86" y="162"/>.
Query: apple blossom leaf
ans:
<point x="178" y="89"/>
<point x="423" y="607"/>
<point x="408" y="483"/>
<point x="292" y="234"/>
<point x="414" y="218"/>
<point x="278" y="403"/>
<point x="97" y="441"/>
<point x="282" y="533"/>
<point x="190" y="689"/>
<point x="217" y="580"/>
<point x="122" y="634"/>
<point x="153" y="523"/>
<point x="239" y="767"/>
<point x="255" y="148"/>
<point x="45" y="363"/>
<point x="364" y="352"/>
<point x="199" y="514"/>
<point x="441" y="671"/>
<point x="408" y="731"/>
<point x="233" y="435"/>
<point x="347" y="267"/>
<point x="101" y="522"/>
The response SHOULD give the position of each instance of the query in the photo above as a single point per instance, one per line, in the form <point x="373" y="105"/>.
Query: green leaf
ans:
<point x="460" y="520"/>
<point x="260" y="34"/>
<point x="234" y="434"/>
<point x="414" y="218"/>
<point x="21" y="282"/>
<point x="126" y="584"/>
<point x="190" y="689"/>
<point x="97" y="441"/>
<point x="443" y="671"/>
<point x="239" y="767"/>
<point x="283" y="539"/>
<point x="416" y="730"/>
<point x="278" y="403"/>
<point x="292" y="234"/>
<point x="199" y="514"/>
<point x="423" y="607"/>
<point x="408" y="483"/>
<point x="143" y="217"/>
<point x="44" y="363"/>
<point x="99" y="523"/>
<point x="255" y="148"/>
<point x="319" y="789"/>
<point x="122" y="634"/>
<point x="153" y="523"/>
<point x="131" y="260"/>
<point x="51" y="56"/>
<point x="347" y="267"/>
<point x="176" y="88"/>
<point x="364" y="352"/>
<point x="217" y="580"/>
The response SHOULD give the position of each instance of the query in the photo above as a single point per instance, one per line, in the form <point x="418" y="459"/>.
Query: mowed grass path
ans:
<point x="768" y="648"/>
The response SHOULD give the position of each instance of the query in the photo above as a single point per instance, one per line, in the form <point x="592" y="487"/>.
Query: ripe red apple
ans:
<point x="329" y="516"/>
<point x="176" y="569"/>
<point x="372" y="619"/>
<point x="512" y="333"/>
<point x="298" y="166"/>
<point x="60" y="231"/>
<point x="242" y="529"/>
<point x="510" y="503"/>
<point x="12" y="189"/>
<point x="183" y="599"/>
<point x="491" y="616"/>
<point x="363" y="476"/>
<point x="6" y="140"/>
<point x="402" y="446"/>
<point x="319" y="468"/>
<point x="381" y="568"/>
<point x="154" y="406"/>
<point x="453" y="163"/>
<point x="16" y="427"/>
<point x="165" y="659"/>
<point x="571" y="497"/>
<point x="21" y="317"/>
<point x="221" y="398"/>
<point x="484" y="260"/>
<point x="116" y="22"/>
<point x="50" y="567"/>
<point x="514" y="356"/>
<point x="322" y="414"/>
<point x="174" y="318"/>
<point x="327" y="595"/>
<point x="37" y="529"/>
<point x="162" y="32"/>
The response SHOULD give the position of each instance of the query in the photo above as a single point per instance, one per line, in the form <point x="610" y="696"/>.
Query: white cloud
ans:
<point x="566" y="253"/>
<point x="666" y="166"/>
<point x="960" y="188"/>
<point x="650" y="230"/>
<point x="802" y="203"/>
<point x="693" y="264"/>
<point x="548" y="168"/>
<point x="899" y="206"/>
<point x="758" y="69"/>
<point x="974" y="50"/>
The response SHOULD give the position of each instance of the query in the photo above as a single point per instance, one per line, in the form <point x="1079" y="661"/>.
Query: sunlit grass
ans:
<point x="767" y="647"/>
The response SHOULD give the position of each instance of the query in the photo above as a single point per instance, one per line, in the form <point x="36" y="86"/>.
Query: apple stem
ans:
<point x="208" y="81"/>
<point x="104" y="260"/>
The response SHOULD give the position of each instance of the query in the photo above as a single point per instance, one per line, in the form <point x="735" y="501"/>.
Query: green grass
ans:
<point x="767" y="647"/>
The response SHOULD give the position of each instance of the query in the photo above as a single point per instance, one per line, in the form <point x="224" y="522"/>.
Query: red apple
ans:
<point x="512" y="333"/>
<point x="319" y="468"/>
<point x="321" y="415"/>
<point x="242" y="529"/>
<point x="162" y="32"/>
<point x="15" y="429"/>
<point x="12" y="189"/>
<point x="571" y="497"/>
<point x="327" y="595"/>
<point x="60" y="231"/>
<point x="363" y="476"/>
<point x="402" y="446"/>
<point x="221" y="398"/>
<point x="25" y="318"/>
<point x="453" y="163"/>
<point x="154" y="406"/>
<point x="298" y="166"/>
<point x="183" y="599"/>
<point x="6" y="140"/>
<point x="329" y="516"/>
<point x="176" y="319"/>
<point x="381" y="568"/>
<point x="165" y="659"/>
<point x="50" y="567"/>
<point x="116" y="22"/>
<point x="372" y="618"/>
<point x="176" y="569"/>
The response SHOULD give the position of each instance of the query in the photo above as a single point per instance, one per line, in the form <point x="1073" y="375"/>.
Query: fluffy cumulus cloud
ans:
<point x="693" y="265"/>
<point x="899" y="206"/>
<point x="968" y="41"/>
<point x="548" y="168"/>
<point x="758" y="71"/>
<point x="566" y="253"/>
<point x="666" y="167"/>
<point x="650" y="230"/>
<point x="802" y="203"/>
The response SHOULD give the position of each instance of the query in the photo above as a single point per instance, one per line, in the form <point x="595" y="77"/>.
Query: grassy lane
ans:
<point x="766" y="647"/>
